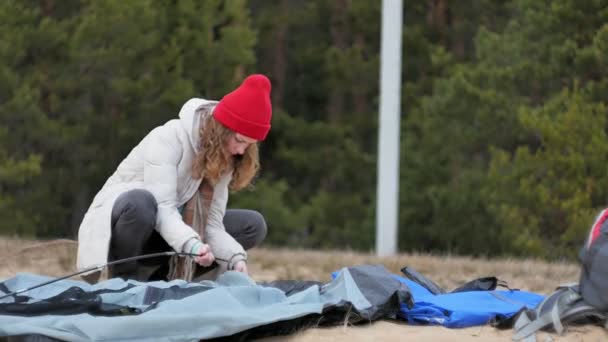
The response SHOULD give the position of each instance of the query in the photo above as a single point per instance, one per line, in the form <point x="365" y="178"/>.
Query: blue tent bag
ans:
<point x="463" y="307"/>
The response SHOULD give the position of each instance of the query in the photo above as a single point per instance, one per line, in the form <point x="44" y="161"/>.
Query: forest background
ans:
<point x="503" y="123"/>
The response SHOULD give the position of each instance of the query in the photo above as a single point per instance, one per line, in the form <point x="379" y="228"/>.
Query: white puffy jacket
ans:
<point x="161" y="163"/>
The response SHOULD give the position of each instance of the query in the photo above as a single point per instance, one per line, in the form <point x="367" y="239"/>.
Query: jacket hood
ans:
<point x="190" y="119"/>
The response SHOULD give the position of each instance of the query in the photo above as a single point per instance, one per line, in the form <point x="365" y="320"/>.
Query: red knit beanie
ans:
<point x="247" y="109"/>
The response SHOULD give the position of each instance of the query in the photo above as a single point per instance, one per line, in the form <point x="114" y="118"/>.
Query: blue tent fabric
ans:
<point x="464" y="309"/>
<point x="182" y="311"/>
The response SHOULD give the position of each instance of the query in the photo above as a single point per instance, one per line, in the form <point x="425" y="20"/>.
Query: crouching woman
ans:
<point x="170" y="193"/>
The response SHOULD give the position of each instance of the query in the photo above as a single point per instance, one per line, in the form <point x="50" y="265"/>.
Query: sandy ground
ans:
<point x="396" y="331"/>
<point x="57" y="258"/>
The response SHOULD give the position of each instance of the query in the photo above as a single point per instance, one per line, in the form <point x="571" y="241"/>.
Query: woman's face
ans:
<point x="238" y="143"/>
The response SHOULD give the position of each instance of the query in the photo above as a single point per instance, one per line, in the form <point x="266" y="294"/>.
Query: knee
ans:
<point x="258" y="226"/>
<point x="137" y="205"/>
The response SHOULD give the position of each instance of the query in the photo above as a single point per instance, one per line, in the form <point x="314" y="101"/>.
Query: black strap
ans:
<point x="18" y="299"/>
<point x="72" y="301"/>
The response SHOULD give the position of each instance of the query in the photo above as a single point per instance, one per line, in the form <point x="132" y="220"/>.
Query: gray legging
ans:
<point x="134" y="233"/>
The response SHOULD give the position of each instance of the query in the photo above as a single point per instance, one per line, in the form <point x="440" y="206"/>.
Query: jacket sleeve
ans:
<point x="222" y="244"/>
<point x="161" y="157"/>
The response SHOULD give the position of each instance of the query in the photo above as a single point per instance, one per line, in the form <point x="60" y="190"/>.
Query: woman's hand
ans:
<point x="205" y="256"/>
<point x="241" y="266"/>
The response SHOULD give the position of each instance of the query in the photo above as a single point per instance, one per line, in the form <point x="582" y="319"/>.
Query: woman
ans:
<point x="171" y="191"/>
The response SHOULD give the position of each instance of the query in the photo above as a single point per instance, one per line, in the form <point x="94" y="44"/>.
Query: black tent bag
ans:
<point x="594" y="265"/>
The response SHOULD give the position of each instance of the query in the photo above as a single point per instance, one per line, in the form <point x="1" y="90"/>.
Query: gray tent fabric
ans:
<point x="564" y="307"/>
<point x="182" y="311"/>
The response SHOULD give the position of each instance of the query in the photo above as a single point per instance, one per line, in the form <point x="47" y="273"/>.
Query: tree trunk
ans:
<point x="458" y="38"/>
<point x="47" y="7"/>
<point x="437" y="18"/>
<point x="359" y="91"/>
<point x="79" y="208"/>
<point x="339" y="37"/>
<point x="279" y="65"/>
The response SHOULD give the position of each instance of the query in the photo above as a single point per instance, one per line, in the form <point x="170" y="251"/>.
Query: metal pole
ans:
<point x="101" y="267"/>
<point x="389" y="128"/>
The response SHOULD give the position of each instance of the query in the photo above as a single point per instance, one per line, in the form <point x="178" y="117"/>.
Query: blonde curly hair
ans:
<point x="213" y="159"/>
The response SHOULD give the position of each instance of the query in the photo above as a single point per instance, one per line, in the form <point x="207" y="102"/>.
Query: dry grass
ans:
<point x="448" y="271"/>
<point x="53" y="258"/>
<point x="57" y="258"/>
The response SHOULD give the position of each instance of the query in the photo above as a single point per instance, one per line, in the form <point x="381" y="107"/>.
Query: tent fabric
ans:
<point x="475" y="303"/>
<point x="231" y="306"/>
<point x="236" y="308"/>
<point x="74" y="300"/>
<point x="465" y="308"/>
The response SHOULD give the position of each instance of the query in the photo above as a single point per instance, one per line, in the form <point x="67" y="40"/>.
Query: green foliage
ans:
<point x="323" y="59"/>
<point x="503" y="113"/>
<point x="275" y="209"/>
<point x="471" y="166"/>
<point x="311" y="204"/>
<point x="14" y="175"/>
<point x="546" y="197"/>
<point x="86" y="80"/>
